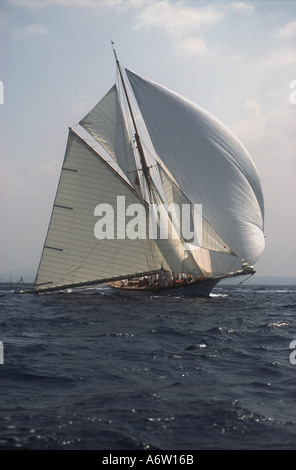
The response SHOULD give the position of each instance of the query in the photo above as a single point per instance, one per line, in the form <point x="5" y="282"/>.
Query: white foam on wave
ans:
<point x="218" y="295"/>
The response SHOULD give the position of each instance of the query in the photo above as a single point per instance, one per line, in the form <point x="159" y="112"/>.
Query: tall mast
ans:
<point x="145" y="167"/>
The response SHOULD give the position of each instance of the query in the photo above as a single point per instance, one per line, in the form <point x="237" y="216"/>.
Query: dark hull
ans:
<point x="200" y="288"/>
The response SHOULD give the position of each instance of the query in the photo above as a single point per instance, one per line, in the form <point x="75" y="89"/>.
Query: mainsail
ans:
<point x="193" y="161"/>
<point x="72" y="254"/>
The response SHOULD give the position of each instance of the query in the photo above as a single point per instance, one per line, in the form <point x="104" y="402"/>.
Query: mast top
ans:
<point x="116" y="58"/>
<point x="145" y="167"/>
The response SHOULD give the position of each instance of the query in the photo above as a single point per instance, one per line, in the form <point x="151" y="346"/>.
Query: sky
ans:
<point x="236" y="59"/>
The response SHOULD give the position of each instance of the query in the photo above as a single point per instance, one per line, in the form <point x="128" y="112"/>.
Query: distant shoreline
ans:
<point x="264" y="280"/>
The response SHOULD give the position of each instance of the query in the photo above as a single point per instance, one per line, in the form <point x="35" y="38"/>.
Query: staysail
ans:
<point x="209" y="164"/>
<point x="106" y="124"/>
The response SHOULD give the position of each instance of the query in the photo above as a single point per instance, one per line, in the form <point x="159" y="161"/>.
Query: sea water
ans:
<point x="94" y="370"/>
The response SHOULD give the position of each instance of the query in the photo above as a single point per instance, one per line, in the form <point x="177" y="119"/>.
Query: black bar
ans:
<point x="63" y="207"/>
<point x="53" y="248"/>
<point x="70" y="169"/>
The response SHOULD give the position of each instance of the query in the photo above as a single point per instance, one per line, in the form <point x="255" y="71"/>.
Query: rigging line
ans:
<point x="244" y="280"/>
<point x="130" y="130"/>
<point x="138" y="140"/>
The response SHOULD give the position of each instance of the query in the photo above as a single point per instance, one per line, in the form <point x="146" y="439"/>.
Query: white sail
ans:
<point x="104" y="229"/>
<point x="106" y="124"/>
<point x="72" y="254"/>
<point x="169" y="242"/>
<point x="209" y="164"/>
<point x="212" y="256"/>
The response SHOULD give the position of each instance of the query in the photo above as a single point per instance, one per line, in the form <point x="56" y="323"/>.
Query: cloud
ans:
<point x="183" y="23"/>
<point x="39" y="4"/>
<point x="269" y="136"/>
<point x="288" y="31"/>
<point x="34" y="29"/>
<point x="33" y="4"/>
<point x="280" y="58"/>
<point x="270" y="140"/>
<point x="242" y="6"/>
<point x="192" y="45"/>
<point x="253" y="105"/>
<point x="176" y="18"/>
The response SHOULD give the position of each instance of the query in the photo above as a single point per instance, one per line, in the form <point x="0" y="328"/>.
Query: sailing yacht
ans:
<point x="143" y="158"/>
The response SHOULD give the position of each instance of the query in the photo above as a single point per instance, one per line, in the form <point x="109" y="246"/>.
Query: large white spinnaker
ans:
<point x="211" y="167"/>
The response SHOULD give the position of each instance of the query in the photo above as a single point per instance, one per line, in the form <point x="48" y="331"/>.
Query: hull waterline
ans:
<point x="193" y="289"/>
